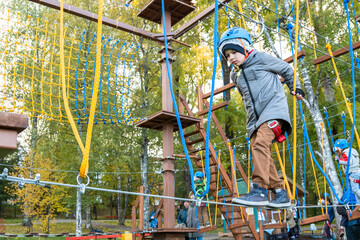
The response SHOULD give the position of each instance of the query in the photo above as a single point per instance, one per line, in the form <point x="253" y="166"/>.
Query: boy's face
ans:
<point x="234" y="57"/>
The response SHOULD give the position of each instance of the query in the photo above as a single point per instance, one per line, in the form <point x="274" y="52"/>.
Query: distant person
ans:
<point x="181" y="218"/>
<point x="191" y="219"/>
<point x="330" y="210"/>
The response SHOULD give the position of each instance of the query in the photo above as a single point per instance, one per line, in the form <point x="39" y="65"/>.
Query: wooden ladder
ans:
<point x="239" y="223"/>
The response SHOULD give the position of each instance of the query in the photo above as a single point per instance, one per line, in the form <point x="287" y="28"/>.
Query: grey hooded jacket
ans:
<point x="262" y="92"/>
<point x="354" y="160"/>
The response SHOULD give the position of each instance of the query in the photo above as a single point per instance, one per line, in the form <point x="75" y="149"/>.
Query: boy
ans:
<point x="342" y="150"/>
<point x="200" y="189"/>
<point x="256" y="77"/>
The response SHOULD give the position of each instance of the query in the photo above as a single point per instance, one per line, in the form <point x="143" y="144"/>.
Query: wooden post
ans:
<point x="141" y="209"/>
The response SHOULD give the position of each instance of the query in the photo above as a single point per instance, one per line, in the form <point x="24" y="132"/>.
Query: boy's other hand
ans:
<point x="299" y="94"/>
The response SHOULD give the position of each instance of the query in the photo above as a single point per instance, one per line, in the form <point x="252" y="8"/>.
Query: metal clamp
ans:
<point x="37" y="179"/>
<point x="4" y="174"/>
<point x="82" y="185"/>
<point x="22" y="183"/>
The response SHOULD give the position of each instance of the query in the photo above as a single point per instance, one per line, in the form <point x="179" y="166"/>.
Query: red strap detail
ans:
<point x="274" y="126"/>
<point x="356" y="181"/>
<point x="344" y="157"/>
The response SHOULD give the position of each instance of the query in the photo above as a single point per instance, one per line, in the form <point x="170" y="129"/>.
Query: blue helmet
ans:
<point x="341" y="143"/>
<point x="235" y="33"/>
<point x="199" y="174"/>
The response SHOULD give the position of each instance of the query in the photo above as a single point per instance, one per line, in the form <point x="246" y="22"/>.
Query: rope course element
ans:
<point x="30" y="64"/>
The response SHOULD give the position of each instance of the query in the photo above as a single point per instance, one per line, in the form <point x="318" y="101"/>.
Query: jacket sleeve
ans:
<point x="341" y="210"/>
<point x="281" y="68"/>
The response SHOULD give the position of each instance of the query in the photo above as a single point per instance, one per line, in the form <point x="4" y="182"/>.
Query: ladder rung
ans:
<point x="191" y="133"/>
<point x="215" y="107"/>
<point x="197" y="150"/>
<point x="195" y="141"/>
<point x="219" y="90"/>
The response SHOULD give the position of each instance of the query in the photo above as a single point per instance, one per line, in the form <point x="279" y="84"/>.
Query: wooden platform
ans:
<point x="177" y="8"/>
<point x="336" y="53"/>
<point x="10" y="125"/>
<point x="157" y="121"/>
<point x="315" y="219"/>
<point x="354" y="215"/>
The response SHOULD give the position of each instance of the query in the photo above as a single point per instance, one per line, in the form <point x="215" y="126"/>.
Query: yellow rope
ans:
<point x="323" y="158"/>
<point x="283" y="170"/>
<point x="62" y="66"/>
<point x="328" y="46"/>
<point x="85" y="163"/>
<point x="312" y="33"/>
<point x="294" y="97"/>
<point x="234" y="177"/>
<point x="207" y="197"/>
<point x="316" y="182"/>
<point x="283" y="143"/>
<point x="242" y="15"/>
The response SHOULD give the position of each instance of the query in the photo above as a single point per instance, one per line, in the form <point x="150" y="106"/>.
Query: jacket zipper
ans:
<point x="251" y="96"/>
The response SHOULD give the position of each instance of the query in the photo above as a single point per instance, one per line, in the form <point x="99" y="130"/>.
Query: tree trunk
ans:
<point x="119" y="200"/>
<point x="111" y="205"/>
<point x="88" y="224"/>
<point x="128" y="183"/>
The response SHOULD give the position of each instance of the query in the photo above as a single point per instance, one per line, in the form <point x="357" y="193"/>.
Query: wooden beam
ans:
<point x="354" y="215"/>
<point x="215" y="107"/>
<point x="194" y="21"/>
<point x="315" y="219"/>
<point x="219" y="90"/>
<point x="299" y="55"/>
<point x="336" y="53"/>
<point x="94" y="17"/>
<point x="357" y="18"/>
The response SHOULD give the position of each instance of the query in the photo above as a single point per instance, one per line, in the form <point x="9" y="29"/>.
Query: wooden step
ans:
<point x="195" y="141"/>
<point x="219" y="90"/>
<point x="275" y="225"/>
<point x="197" y="150"/>
<point x="354" y="215"/>
<point x="240" y="224"/>
<point x="192" y="133"/>
<point x="207" y="229"/>
<point x="215" y="107"/>
<point x="315" y="219"/>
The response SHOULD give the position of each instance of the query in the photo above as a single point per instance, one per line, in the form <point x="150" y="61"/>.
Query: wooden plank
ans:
<point x="215" y="107"/>
<point x="354" y="215"/>
<point x="141" y="209"/>
<point x="275" y="225"/>
<point x="240" y="224"/>
<point x="94" y="17"/>
<point x="357" y="18"/>
<point x="336" y="53"/>
<point x="194" y="21"/>
<point x="299" y="55"/>
<point x="95" y="237"/>
<point x="219" y="90"/>
<point x="207" y="229"/>
<point x="315" y="219"/>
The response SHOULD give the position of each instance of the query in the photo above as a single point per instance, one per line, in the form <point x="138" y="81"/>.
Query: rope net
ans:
<point x="30" y="70"/>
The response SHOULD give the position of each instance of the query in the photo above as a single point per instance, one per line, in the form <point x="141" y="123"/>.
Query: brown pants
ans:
<point x="203" y="215"/>
<point x="264" y="171"/>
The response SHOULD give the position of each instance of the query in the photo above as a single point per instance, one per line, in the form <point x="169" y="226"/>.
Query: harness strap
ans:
<point x="354" y="180"/>
<point x="274" y="126"/>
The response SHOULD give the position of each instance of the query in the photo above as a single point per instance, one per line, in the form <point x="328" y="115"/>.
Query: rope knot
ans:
<point x="328" y="46"/>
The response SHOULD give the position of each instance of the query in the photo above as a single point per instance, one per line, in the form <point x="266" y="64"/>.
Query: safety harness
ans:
<point x="274" y="126"/>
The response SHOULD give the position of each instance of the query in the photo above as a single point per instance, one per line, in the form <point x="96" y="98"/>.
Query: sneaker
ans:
<point x="281" y="200"/>
<point x="257" y="197"/>
<point x="341" y="233"/>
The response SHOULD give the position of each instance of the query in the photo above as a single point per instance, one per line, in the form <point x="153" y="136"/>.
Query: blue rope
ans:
<point x="313" y="156"/>
<point x="278" y="26"/>
<point x="332" y="141"/>
<point x="116" y="74"/>
<point x="357" y="25"/>
<point x="222" y="190"/>
<point x="233" y="185"/>
<point x="354" y="95"/>
<point x="77" y="68"/>
<point x="123" y="85"/>
<point x="292" y="9"/>
<point x="101" y="74"/>
<point x="207" y="167"/>
<point x="292" y="170"/>
<point x="128" y="86"/>
<point x="108" y="86"/>
<point x="343" y="120"/>
<point x="86" y="63"/>
<point x="290" y="27"/>
<point x="248" y="145"/>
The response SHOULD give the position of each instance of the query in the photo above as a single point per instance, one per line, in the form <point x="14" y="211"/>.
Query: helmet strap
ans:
<point x="246" y="54"/>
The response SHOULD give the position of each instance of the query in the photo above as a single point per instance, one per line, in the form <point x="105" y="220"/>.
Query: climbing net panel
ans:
<point x="30" y="70"/>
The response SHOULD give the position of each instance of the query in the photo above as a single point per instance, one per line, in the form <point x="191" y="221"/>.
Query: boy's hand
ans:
<point x="299" y="94"/>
